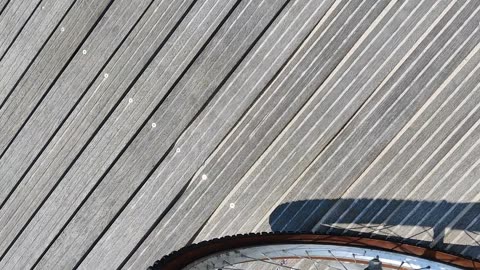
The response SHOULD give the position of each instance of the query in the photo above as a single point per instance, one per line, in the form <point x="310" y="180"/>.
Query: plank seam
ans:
<point x="34" y="109"/>
<point x="389" y="141"/>
<point x="139" y="129"/>
<point x="4" y="7"/>
<point x="20" y="30"/>
<point x="71" y="111"/>
<point x="275" y="137"/>
<point x="177" y="197"/>
<point x="34" y="58"/>
<point x="11" y="91"/>
<point x="55" y="80"/>
<point x="302" y="106"/>
<point x="274" y="77"/>
<point x="162" y="215"/>
<point x="184" y="188"/>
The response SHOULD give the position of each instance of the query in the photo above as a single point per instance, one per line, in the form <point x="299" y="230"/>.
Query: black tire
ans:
<point x="189" y="254"/>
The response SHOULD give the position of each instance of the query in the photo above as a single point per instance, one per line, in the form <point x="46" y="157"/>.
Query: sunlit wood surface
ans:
<point x="129" y="128"/>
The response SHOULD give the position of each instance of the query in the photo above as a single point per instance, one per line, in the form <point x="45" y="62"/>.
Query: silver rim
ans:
<point x="313" y="256"/>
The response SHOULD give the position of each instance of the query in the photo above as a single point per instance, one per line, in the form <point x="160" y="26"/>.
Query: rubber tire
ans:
<point x="183" y="257"/>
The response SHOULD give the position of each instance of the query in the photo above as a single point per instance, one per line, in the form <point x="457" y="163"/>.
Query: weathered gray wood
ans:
<point x="433" y="16"/>
<point x="344" y="114"/>
<point x="32" y="86"/>
<point x="145" y="95"/>
<point x="3" y="6"/>
<point x="204" y="135"/>
<point x="466" y="240"/>
<point x="418" y="150"/>
<point x="236" y="35"/>
<point x="356" y="146"/>
<point x="324" y="175"/>
<point x="65" y="93"/>
<point x="275" y="181"/>
<point x="194" y="205"/>
<point x="87" y="117"/>
<point x="415" y="186"/>
<point x="13" y="18"/>
<point x="294" y="128"/>
<point x="27" y="44"/>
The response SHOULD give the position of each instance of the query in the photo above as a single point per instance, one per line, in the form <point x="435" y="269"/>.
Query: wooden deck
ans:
<point x="131" y="128"/>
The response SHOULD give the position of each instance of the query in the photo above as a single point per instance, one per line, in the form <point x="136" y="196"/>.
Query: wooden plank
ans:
<point x="204" y="134"/>
<point x="234" y="39"/>
<point x="419" y="185"/>
<point x="465" y="239"/>
<point x="348" y="155"/>
<point x="407" y="163"/>
<point x="3" y="6"/>
<point x="12" y="21"/>
<point x="86" y="119"/>
<point x="279" y="108"/>
<point x="191" y="203"/>
<point x="444" y="44"/>
<point x="64" y="95"/>
<point x="278" y="172"/>
<point x="122" y="125"/>
<point x="453" y="186"/>
<point x="29" y="92"/>
<point x="176" y="121"/>
<point x="24" y="49"/>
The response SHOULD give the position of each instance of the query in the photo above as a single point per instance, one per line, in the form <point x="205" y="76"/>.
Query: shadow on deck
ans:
<point x="408" y="220"/>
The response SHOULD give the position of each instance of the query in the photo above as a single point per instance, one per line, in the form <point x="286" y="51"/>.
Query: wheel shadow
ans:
<point x="433" y="223"/>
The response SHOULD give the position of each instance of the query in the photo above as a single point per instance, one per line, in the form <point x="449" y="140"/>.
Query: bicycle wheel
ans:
<point x="309" y="251"/>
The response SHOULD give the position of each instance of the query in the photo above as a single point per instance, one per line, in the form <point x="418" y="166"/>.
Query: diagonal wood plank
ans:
<point x="21" y="52"/>
<point x="204" y="134"/>
<point x="33" y="87"/>
<point x="420" y="155"/>
<point x="327" y="176"/>
<point x="13" y="20"/>
<point x="132" y="128"/>
<point x="3" y="6"/>
<point x="235" y="37"/>
<point x="219" y="180"/>
<point x="452" y="45"/>
<point x="145" y="97"/>
<point x="84" y="122"/>
<point x="66" y="92"/>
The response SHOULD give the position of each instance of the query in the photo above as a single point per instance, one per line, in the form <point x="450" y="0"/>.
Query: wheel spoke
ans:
<point x="310" y="258"/>
<point x="318" y="257"/>
<point x="270" y="262"/>
<point x="337" y="260"/>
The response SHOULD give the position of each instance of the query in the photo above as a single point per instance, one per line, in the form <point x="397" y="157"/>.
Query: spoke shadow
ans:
<point x="440" y="224"/>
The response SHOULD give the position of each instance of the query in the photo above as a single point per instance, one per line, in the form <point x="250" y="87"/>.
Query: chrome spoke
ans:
<point x="317" y="257"/>
<point x="338" y="260"/>
<point x="310" y="258"/>
<point x="314" y="261"/>
<point x="270" y="262"/>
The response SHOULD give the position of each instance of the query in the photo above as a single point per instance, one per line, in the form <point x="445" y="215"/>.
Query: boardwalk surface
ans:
<point x="129" y="128"/>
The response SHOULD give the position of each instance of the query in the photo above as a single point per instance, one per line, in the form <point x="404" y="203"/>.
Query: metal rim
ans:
<point x="209" y="250"/>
